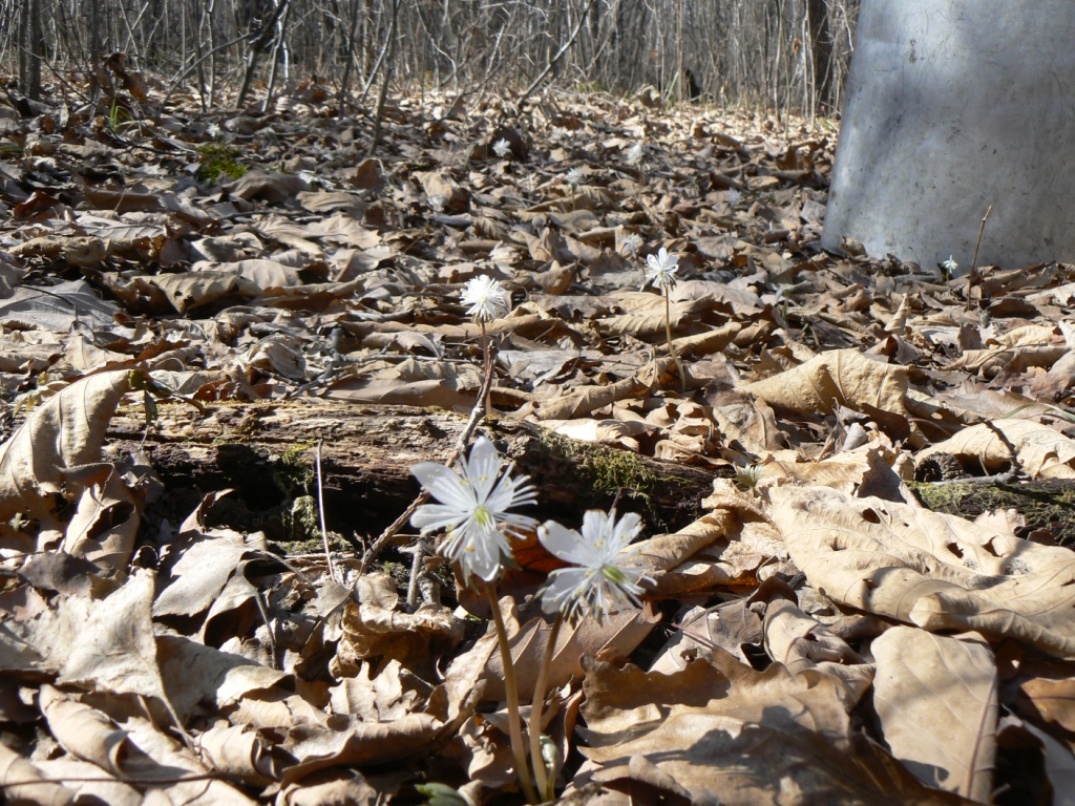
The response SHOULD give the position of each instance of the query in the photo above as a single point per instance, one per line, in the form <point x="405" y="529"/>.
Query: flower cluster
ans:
<point x="473" y="510"/>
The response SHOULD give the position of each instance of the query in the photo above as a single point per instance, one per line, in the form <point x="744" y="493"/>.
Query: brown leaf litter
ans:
<point x="813" y="635"/>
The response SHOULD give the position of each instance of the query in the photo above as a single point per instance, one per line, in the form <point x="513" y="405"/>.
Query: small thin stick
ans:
<point x="973" y="278"/>
<point x="321" y="515"/>
<point x="977" y="246"/>
<point x="89" y="779"/>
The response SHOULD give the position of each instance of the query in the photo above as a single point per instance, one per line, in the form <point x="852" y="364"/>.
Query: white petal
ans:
<point x="567" y="544"/>
<point x="506" y="495"/>
<point x="626" y="530"/>
<point x="563" y="590"/>
<point x="483" y="466"/>
<point x="445" y="485"/>
<point x="434" y="517"/>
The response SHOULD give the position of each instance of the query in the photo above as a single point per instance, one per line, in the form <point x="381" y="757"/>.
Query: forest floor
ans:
<point x="855" y="497"/>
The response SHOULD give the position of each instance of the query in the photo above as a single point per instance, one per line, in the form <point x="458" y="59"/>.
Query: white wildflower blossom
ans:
<point x="950" y="266"/>
<point x="486" y="298"/>
<point x="635" y="154"/>
<point x="661" y="269"/>
<point x="733" y="197"/>
<point x="502" y="148"/>
<point x="473" y="509"/>
<point x="630" y="244"/>
<point x="573" y="177"/>
<point x="605" y="576"/>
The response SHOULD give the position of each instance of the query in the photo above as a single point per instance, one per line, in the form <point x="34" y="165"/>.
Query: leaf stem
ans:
<point x="546" y="777"/>
<point x="511" y="688"/>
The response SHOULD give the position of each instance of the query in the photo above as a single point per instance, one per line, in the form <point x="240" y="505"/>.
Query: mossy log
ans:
<point x="1047" y="505"/>
<point x="266" y="453"/>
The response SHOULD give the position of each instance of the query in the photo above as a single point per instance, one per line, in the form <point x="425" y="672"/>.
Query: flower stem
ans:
<point x="511" y="688"/>
<point x="668" y="334"/>
<point x="546" y="778"/>
<point x="487" y="366"/>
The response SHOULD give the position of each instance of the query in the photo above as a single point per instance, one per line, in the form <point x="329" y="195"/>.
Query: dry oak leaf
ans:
<point x="588" y="399"/>
<point x="377" y="628"/>
<point x="616" y="636"/>
<point x="89" y="734"/>
<point x="936" y="697"/>
<point x="836" y="378"/>
<point x="23" y="782"/>
<point x="137" y="751"/>
<point x="1053" y="700"/>
<point x="719" y="732"/>
<point x="193" y="289"/>
<point x="724" y="547"/>
<point x="268" y="186"/>
<point x="800" y="642"/>
<point x="66" y="431"/>
<point x="1041" y="452"/>
<point x="105" y="525"/>
<point x="939" y="572"/>
<point x="78" y="251"/>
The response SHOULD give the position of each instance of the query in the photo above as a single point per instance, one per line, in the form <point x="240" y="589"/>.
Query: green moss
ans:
<point x="602" y="469"/>
<point x="301" y="522"/>
<point x="293" y="472"/>
<point x="1043" y="504"/>
<point x="219" y="160"/>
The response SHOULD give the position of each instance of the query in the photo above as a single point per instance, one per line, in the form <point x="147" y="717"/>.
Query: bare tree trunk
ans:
<point x="389" y="68"/>
<point x="279" y="45"/>
<point x="31" y="46"/>
<point x="257" y="46"/>
<point x="348" y="65"/>
<point x="821" y="51"/>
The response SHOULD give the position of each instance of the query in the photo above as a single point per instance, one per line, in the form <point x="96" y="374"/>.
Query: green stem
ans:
<point x="546" y="778"/>
<point x="671" y="347"/>
<point x="511" y="688"/>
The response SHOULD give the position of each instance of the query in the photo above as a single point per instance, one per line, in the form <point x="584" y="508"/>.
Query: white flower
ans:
<point x="733" y="197"/>
<point x="950" y="266"/>
<point x="661" y="269"/>
<point x="630" y="244"/>
<point x="487" y="298"/>
<point x="501" y="148"/>
<point x="473" y="509"/>
<point x="635" y="154"/>
<point x="437" y="202"/>
<point x="605" y="578"/>
<point x="573" y="177"/>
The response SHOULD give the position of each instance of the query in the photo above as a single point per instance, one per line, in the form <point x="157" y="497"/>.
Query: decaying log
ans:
<point x="266" y="451"/>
